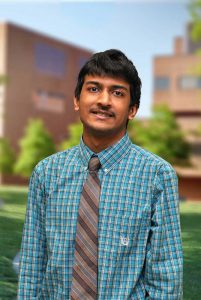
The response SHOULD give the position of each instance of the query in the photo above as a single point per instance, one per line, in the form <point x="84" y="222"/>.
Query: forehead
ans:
<point x="106" y="81"/>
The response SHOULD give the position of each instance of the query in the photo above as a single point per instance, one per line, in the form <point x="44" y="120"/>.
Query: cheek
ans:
<point x="86" y="103"/>
<point x="83" y="109"/>
<point x="122" y="112"/>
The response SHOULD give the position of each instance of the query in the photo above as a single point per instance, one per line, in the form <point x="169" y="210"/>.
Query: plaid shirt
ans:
<point x="140" y="254"/>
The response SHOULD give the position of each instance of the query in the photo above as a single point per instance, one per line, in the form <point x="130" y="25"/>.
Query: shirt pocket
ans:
<point x="119" y="236"/>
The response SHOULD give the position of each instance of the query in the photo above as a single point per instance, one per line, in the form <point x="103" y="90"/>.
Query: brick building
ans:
<point x="41" y="75"/>
<point x="177" y="83"/>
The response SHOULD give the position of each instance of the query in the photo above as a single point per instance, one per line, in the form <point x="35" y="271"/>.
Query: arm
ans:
<point x="164" y="260"/>
<point x="33" y="249"/>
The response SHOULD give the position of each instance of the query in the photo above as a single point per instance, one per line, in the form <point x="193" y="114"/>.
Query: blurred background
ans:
<point x="43" y="45"/>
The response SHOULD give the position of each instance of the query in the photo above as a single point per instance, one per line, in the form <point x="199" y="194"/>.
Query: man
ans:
<point x="102" y="219"/>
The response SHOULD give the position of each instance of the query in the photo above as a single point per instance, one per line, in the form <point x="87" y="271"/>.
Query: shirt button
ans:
<point x="105" y="170"/>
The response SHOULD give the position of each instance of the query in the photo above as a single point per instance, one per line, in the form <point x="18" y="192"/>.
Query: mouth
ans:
<point x="102" y="114"/>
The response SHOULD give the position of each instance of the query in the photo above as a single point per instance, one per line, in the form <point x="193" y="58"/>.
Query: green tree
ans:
<point x="7" y="157"/>
<point x="198" y="131"/>
<point x="35" y="145"/>
<point x="3" y="79"/>
<point x="161" y="135"/>
<point x="75" y="132"/>
<point x="195" y="11"/>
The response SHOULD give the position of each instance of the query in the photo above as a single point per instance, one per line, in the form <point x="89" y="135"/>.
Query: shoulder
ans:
<point x="57" y="160"/>
<point x="146" y="158"/>
<point x="51" y="168"/>
<point x="161" y="174"/>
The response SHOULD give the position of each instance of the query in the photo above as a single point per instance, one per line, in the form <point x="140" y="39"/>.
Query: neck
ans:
<point x="97" y="144"/>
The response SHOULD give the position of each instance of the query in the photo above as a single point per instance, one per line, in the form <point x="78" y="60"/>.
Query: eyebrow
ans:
<point x="115" y="86"/>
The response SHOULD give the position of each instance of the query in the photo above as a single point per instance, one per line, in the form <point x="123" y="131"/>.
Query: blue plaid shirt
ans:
<point x="140" y="254"/>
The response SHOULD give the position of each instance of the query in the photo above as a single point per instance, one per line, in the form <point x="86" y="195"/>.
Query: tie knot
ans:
<point x="94" y="163"/>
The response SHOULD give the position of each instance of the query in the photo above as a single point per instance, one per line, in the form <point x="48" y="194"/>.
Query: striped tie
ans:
<point x="85" y="270"/>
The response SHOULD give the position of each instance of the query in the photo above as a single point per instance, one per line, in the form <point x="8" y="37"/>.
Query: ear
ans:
<point x="76" y="104"/>
<point x="132" y="112"/>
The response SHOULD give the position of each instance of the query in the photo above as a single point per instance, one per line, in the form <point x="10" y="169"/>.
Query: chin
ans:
<point x="104" y="132"/>
<point x="100" y="132"/>
<point x="96" y="129"/>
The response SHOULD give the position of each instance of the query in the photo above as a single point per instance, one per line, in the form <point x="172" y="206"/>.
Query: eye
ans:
<point x="93" y="89"/>
<point x="118" y="93"/>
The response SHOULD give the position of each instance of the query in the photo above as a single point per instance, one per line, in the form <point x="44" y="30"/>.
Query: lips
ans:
<point x="102" y="113"/>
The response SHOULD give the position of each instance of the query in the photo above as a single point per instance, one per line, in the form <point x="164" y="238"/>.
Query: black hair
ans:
<point x="112" y="63"/>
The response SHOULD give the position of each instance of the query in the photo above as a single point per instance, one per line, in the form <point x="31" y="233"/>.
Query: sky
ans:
<point x="141" y="29"/>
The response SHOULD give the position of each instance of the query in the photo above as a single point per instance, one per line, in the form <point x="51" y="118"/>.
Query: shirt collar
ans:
<point x="109" y="156"/>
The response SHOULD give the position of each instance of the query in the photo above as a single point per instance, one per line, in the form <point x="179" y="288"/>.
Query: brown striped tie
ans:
<point x="85" y="270"/>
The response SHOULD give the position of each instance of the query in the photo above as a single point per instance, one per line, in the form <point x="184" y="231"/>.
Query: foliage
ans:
<point x="3" y="79"/>
<point x="35" y="145"/>
<point x="161" y="135"/>
<point x="199" y="130"/>
<point x="195" y="11"/>
<point x="7" y="157"/>
<point x="75" y="132"/>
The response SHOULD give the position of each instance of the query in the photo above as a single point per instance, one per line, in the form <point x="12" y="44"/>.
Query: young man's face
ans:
<point x="104" y="106"/>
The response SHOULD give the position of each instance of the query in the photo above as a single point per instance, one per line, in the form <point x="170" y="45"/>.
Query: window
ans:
<point x="49" y="101"/>
<point x="49" y="60"/>
<point x="47" y="95"/>
<point x="161" y="83"/>
<point x="189" y="82"/>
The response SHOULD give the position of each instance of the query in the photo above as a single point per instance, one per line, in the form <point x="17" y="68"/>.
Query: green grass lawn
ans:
<point x="11" y="224"/>
<point x="191" y="236"/>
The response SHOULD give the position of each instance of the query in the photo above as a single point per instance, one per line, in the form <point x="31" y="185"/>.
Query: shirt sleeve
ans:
<point x="33" y="249"/>
<point x="164" y="258"/>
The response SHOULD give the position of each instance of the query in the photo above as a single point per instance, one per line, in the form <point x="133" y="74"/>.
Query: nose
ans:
<point x="104" y="98"/>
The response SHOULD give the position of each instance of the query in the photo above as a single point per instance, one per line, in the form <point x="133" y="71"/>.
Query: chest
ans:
<point x="124" y="206"/>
